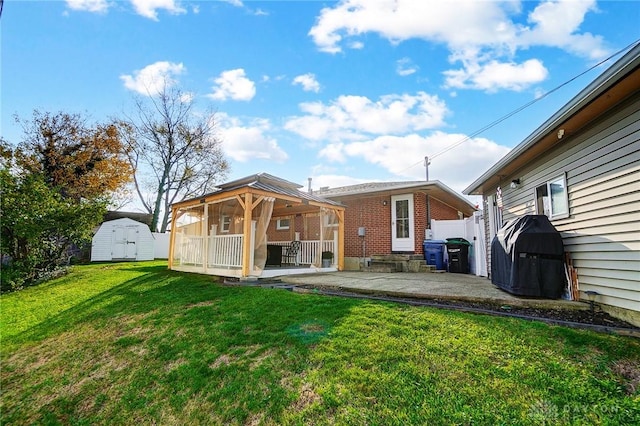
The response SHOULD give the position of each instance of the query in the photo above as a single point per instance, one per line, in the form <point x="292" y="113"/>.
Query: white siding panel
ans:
<point x="622" y="256"/>
<point x="600" y="264"/>
<point x="609" y="271"/>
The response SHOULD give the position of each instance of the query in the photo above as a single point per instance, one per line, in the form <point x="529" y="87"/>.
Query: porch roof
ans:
<point x="614" y="85"/>
<point x="435" y="188"/>
<point x="267" y="185"/>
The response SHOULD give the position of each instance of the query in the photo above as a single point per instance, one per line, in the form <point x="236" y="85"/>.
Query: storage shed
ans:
<point x="527" y="258"/>
<point x="122" y="240"/>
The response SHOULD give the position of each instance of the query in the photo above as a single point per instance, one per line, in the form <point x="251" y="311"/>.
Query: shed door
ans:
<point x="124" y="242"/>
<point x="402" y="230"/>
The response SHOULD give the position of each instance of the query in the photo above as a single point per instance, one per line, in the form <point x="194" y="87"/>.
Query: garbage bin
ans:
<point x="458" y="253"/>
<point x="434" y="253"/>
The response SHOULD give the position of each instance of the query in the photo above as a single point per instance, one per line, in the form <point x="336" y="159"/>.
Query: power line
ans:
<point x="522" y="107"/>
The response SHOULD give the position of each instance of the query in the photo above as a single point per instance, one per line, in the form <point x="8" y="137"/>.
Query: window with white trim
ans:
<point x="225" y="223"/>
<point x="330" y="220"/>
<point x="282" y="224"/>
<point x="552" y="199"/>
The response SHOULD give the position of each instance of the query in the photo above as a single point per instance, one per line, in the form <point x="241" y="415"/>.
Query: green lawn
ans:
<point x="138" y="344"/>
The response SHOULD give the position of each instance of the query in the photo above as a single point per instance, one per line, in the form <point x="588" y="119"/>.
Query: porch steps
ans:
<point x="398" y="263"/>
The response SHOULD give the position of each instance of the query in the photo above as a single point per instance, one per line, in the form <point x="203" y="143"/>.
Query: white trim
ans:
<point x="280" y="226"/>
<point x="405" y="244"/>
<point x="547" y="209"/>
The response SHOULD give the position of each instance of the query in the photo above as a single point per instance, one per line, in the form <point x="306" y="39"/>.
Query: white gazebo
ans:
<point x="257" y="227"/>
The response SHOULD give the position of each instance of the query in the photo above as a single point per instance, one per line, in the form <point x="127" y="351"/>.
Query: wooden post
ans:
<point x="340" y="214"/>
<point x="246" y="231"/>
<point x="204" y="229"/>
<point x="172" y="239"/>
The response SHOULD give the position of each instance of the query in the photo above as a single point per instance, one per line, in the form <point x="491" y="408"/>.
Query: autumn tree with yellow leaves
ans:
<point x="55" y="186"/>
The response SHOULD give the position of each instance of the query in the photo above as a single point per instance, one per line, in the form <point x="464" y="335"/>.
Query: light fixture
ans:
<point x="515" y="183"/>
<point x="384" y="203"/>
<point x="560" y="133"/>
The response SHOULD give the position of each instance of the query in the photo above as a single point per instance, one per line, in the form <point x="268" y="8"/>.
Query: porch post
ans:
<point x="336" y="248"/>
<point x="205" y="243"/>
<point x="340" y="255"/>
<point x="321" y="235"/>
<point x="172" y="238"/>
<point x="246" y="231"/>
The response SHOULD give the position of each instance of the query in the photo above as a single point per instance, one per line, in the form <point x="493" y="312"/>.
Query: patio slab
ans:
<point x="428" y="285"/>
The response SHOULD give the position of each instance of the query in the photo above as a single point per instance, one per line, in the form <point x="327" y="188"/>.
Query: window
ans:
<point x="282" y="224"/>
<point x="330" y="220"/>
<point x="552" y="199"/>
<point x="225" y="223"/>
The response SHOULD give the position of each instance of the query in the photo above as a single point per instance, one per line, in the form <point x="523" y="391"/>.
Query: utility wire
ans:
<point x="528" y="104"/>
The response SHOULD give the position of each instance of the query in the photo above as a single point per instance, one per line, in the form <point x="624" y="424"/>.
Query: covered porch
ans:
<point x="260" y="226"/>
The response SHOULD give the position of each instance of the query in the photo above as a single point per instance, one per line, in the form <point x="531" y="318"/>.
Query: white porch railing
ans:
<point x="309" y="249"/>
<point x="191" y="250"/>
<point x="225" y="250"/>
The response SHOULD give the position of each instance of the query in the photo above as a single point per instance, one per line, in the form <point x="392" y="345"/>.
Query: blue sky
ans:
<point x="342" y="92"/>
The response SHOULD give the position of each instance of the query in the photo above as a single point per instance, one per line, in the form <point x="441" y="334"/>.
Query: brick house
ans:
<point x="394" y="216"/>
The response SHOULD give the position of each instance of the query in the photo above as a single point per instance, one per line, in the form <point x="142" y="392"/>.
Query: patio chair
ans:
<point x="291" y="255"/>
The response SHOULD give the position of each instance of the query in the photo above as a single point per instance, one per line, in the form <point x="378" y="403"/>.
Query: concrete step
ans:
<point x="395" y="265"/>
<point x="427" y="268"/>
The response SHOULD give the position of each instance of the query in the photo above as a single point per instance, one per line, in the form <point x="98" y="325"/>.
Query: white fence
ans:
<point x="471" y="229"/>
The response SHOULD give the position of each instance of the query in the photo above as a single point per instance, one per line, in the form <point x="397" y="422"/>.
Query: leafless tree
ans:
<point x="174" y="151"/>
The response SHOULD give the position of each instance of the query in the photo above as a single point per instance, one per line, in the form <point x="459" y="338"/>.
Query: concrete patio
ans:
<point x="442" y="285"/>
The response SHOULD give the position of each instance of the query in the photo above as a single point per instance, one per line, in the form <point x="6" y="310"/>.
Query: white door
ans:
<point x="402" y="232"/>
<point x="124" y="242"/>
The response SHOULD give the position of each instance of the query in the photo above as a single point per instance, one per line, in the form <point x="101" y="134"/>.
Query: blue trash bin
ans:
<point x="434" y="253"/>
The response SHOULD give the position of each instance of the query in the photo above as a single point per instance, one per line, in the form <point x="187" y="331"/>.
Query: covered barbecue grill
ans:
<point x="527" y="258"/>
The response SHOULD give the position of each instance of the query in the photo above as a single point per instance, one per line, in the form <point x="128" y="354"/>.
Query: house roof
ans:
<point x="266" y="183"/>
<point x="145" y="218"/>
<point x="614" y="85"/>
<point x="434" y="187"/>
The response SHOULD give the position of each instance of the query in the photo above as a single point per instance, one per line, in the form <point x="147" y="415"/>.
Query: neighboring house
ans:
<point x="122" y="240"/>
<point x="581" y="168"/>
<point x="229" y="232"/>
<point x="383" y="218"/>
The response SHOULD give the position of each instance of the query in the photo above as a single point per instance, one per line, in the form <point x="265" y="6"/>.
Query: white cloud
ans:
<point x="233" y="84"/>
<point x="153" y="78"/>
<point x="402" y="156"/>
<point x="554" y="23"/>
<point x="494" y="75"/>
<point x="96" y="6"/>
<point x="308" y="82"/>
<point x="236" y="3"/>
<point x="248" y="142"/>
<point x="352" y="117"/>
<point x="149" y="8"/>
<point x="488" y="34"/>
<point x="405" y="67"/>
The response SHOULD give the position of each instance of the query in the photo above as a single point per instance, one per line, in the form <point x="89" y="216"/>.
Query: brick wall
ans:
<point x="375" y="217"/>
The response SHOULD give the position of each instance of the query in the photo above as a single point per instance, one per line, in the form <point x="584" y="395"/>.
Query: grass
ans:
<point x="138" y="344"/>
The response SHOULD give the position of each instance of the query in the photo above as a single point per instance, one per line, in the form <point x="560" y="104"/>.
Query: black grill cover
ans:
<point x="527" y="258"/>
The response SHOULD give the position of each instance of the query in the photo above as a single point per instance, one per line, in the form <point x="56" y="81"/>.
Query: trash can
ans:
<point x="458" y="253"/>
<point x="434" y="253"/>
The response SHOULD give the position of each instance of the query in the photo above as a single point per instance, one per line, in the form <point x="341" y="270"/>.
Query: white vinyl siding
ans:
<point x="602" y="230"/>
